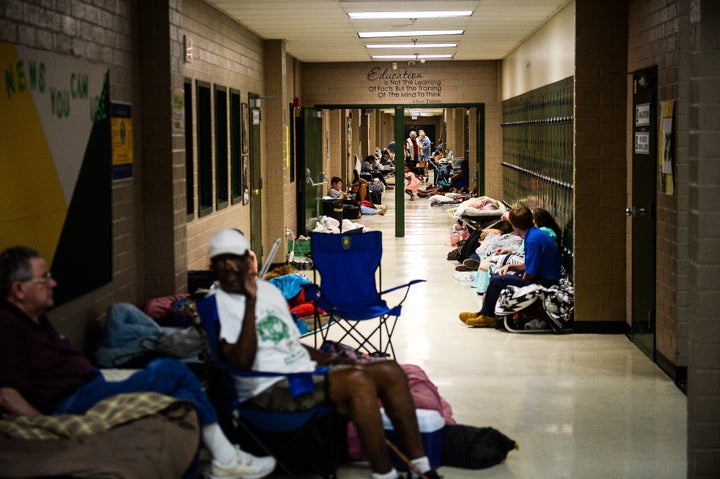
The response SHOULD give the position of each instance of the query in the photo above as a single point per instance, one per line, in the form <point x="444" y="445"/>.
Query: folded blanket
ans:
<point x="106" y="414"/>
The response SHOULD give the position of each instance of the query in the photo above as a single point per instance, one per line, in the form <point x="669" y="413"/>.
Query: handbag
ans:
<point x="181" y="344"/>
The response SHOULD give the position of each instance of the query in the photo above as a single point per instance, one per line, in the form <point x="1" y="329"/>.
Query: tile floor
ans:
<point x="579" y="405"/>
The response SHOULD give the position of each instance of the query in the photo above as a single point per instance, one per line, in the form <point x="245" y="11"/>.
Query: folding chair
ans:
<point x="347" y="264"/>
<point x="314" y="440"/>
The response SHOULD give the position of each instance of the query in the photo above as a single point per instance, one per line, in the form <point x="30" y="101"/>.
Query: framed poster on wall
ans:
<point x="245" y="176"/>
<point x="245" y="129"/>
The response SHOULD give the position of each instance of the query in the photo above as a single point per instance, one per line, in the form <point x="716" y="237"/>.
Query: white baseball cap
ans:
<point x="228" y="241"/>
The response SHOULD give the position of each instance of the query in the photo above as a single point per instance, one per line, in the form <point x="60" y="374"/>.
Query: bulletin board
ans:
<point x="55" y="165"/>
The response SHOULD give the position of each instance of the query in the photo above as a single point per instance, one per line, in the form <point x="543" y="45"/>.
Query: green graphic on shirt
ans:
<point x="272" y="328"/>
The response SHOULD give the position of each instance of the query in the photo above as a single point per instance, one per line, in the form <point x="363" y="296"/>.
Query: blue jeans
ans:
<point x="164" y="376"/>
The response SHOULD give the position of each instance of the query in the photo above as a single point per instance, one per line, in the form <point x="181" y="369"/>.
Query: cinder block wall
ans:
<point x="227" y="54"/>
<point x="600" y="177"/>
<point x="704" y="239"/>
<point x="163" y="181"/>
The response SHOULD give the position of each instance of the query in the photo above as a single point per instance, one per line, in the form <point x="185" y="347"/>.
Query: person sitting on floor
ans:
<point x="544" y="221"/>
<point x="370" y="169"/>
<point x="367" y="207"/>
<point x="335" y="191"/>
<point x="43" y="374"/>
<point x="387" y="165"/>
<point x="542" y="266"/>
<point x="248" y="308"/>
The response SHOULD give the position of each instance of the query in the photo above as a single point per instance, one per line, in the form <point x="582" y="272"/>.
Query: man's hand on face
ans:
<point x="239" y="275"/>
<point x="250" y="284"/>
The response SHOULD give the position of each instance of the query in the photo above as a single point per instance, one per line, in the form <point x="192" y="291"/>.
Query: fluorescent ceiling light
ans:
<point x="416" y="33"/>
<point x="411" y="45"/>
<point x="411" y="57"/>
<point x="419" y="14"/>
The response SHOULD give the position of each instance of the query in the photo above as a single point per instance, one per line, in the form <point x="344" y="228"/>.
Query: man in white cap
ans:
<point x="258" y="333"/>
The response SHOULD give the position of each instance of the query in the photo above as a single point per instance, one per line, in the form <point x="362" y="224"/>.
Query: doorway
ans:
<point x="255" y="180"/>
<point x="642" y="210"/>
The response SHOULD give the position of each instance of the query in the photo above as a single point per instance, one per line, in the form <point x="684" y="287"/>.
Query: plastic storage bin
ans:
<point x="431" y="425"/>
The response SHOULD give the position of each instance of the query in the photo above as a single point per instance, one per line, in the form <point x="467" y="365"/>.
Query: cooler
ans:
<point x="431" y="425"/>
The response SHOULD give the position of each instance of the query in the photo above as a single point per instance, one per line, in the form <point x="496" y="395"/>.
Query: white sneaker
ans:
<point x="246" y="466"/>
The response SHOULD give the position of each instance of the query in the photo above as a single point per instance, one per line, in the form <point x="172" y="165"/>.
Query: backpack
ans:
<point x="471" y="447"/>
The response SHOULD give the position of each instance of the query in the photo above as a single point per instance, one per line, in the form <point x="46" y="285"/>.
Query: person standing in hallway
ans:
<point x="542" y="266"/>
<point x="412" y="151"/>
<point x="424" y="156"/>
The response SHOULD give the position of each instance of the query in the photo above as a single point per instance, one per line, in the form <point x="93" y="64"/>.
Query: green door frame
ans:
<point x="400" y="152"/>
<point x="310" y="175"/>
<point x="399" y="173"/>
<point x="480" y="150"/>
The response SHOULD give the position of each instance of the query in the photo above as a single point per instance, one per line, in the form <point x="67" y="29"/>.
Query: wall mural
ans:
<point x="55" y="165"/>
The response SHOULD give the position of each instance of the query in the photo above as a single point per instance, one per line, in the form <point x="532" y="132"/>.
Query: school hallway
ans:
<point x="579" y="405"/>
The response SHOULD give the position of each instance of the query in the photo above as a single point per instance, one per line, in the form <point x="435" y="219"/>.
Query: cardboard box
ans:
<point x="431" y="425"/>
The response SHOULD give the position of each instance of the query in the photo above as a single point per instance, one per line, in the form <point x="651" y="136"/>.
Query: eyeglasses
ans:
<point x="47" y="277"/>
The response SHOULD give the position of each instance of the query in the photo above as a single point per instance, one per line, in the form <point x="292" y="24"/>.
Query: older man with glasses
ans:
<point x="43" y="374"/>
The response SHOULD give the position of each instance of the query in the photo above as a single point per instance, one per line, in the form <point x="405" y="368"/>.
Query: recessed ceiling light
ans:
<point x="411" y="45"/>
<point x="418" y="14"/>
<point x="411" y="57"/>
<point x="415" y="33"/>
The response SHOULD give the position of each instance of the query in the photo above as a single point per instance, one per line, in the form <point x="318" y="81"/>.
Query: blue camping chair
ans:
<point x="348" y="293"/>
<point x="314" y="440"/>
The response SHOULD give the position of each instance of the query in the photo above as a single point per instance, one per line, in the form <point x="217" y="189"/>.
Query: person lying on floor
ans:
<point x="257" y="333"/>
<point x="542" y="266"/>
<point x="43" y="374"/>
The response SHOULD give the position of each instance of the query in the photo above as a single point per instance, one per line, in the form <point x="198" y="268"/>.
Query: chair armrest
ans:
<point x="407" y="285"/>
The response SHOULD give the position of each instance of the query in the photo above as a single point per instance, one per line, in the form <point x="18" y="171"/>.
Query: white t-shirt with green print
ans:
<point x="279" y="348"/>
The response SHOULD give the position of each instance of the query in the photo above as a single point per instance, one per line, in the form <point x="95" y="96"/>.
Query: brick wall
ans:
<point x="600" y="177"/>
<point x="106" y="34"/>
<point x="704" y="241"/>
<point x="224" y="53"/>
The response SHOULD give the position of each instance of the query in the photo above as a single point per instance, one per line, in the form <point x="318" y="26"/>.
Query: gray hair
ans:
<point x="15" y="266"/>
